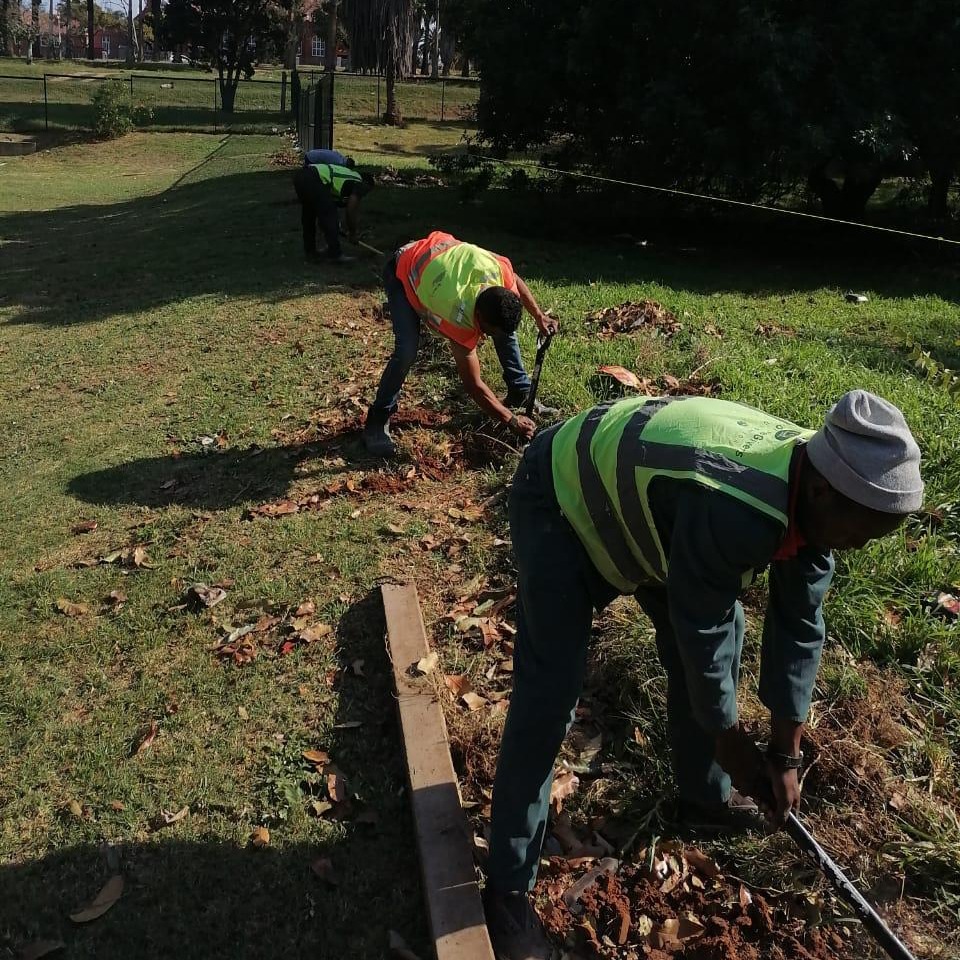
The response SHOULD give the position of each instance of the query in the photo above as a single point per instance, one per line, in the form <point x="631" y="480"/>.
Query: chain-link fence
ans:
<point x="63" y="101"/>
<point x="363" y="97"/>
<point x="177" y="102"/>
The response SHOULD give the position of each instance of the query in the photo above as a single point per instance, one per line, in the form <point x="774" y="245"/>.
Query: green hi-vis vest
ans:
<point x="605" y="458"/>
<point x="335" y="176"/>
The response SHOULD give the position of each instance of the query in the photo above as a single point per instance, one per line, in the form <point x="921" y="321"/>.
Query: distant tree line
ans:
<point x="754" y="98"/>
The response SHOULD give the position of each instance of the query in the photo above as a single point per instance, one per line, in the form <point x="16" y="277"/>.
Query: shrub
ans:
<point x="113" y="110"/>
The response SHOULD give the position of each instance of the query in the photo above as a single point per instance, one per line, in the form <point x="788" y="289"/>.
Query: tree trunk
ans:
<point x="330" y="52"/>
<point x="425" y="53"/>
<point x="448" y="49"/>
<point x="849" y="201"/>
<point x="294" y="35"/>
<point x="435" y="66"/>
<point x="131" y="36"/>
<point x="90" y="30"/>
<point x="392" y="113"/>
<point x="155" y="15"/>
<point x="34" y="25"/>
<point x="941" y="176"/>
<point x="67" y="44"/>
<point x="228" y="90"/>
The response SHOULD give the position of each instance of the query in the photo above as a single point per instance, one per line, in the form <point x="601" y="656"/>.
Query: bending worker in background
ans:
<point x="322" y="189"/>
<point x="464" y="293"/>
<point x="681" y="502"/>
<point x="327" y="155"/>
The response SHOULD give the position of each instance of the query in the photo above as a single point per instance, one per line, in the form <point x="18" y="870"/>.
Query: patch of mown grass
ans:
<point x="155" y="295"/>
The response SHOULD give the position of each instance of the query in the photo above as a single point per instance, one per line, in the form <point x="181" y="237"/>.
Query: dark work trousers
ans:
<point x="557" y="591"/>
<point x="406" y="333"/>
<point x="317" y="205"/>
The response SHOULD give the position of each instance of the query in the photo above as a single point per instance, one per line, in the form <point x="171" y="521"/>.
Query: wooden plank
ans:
<point x="443" y="835"/>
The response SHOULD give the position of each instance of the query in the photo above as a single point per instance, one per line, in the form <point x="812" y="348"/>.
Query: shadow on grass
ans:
<point x="208" y="893"/>
<point x="212" y="480"/>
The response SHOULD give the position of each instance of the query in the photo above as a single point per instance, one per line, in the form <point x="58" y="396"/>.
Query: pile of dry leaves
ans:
<point x="666" y="385"/>
<point x="630" y="317"/>
<point x="674" y="902"/>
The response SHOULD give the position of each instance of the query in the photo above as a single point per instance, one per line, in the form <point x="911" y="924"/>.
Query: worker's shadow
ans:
<point x="211" y="480"/>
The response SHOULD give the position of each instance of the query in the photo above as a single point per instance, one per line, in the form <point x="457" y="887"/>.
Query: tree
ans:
<point x="231" y="36"/>
<point x="90" y="28"/>
<point x="34" y="25"/>
<point x="381" y="38"/>
<point x="156" y="25"/>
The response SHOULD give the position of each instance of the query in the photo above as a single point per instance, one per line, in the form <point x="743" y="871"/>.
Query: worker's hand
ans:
<point x="547" y="325"/>
<point x="736" y="752"/>
<point x="522" y="427"/>
<point x="785" y="785"/>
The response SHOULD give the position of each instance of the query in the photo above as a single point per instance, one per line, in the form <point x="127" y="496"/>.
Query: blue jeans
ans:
<point x="557" y="591"/>
<point x="406" y="332"/>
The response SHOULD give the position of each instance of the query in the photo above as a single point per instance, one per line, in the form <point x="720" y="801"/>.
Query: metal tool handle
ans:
<point x="869" y="917"/>
<point x="543" y="343"/>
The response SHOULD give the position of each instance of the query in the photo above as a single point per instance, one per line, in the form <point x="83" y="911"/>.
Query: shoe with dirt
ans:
<point x="740" y="812"/>
<point x="376" y="437"/>
<point x="516" y="932"/>
<point x="518" y="401"/>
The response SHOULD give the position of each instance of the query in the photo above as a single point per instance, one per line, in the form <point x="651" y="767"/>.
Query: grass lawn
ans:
<point x="189" y="99"/>
<point x="169" y="364"/>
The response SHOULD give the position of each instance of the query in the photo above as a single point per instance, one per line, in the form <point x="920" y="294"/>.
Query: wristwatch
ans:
<point x="785" y="761"/>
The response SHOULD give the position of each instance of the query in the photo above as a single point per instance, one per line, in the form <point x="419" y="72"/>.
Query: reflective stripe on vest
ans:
<point x="605" y="459"/>
<point x="335" y="176"/>
<point x="446" y="279"/>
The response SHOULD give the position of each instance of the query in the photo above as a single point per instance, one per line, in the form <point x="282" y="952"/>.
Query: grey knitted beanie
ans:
<point x="865" y="451"/>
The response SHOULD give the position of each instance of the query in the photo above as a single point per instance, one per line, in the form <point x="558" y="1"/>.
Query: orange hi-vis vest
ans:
<point x="442" y="278"/>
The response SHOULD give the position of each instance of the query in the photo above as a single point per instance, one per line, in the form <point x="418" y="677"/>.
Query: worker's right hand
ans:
<point x="737" y="753"/>
<point x="523" y="427"/>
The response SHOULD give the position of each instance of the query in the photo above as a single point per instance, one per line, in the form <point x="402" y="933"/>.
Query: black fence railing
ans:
<point x="315" y="112"/>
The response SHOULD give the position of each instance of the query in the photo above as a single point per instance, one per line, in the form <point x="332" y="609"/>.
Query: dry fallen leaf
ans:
<point x="323" y="868"/>
<point x="357" y="667"/>
<point x="41" y="948"/>
<point x="701" y="862"/>
<point x="104" y="900"/>
<point x="84" y="526"/>
<point x="116" y="598"/>
<point x="474" y="701"/>
<point x="317" y="632"/>
<point x="139" y="558"/>
<point x="260" y="837"/>
<point x="71" y="609"/>
<point x="147" y="740"/>
<point x="458" y="684"/>
<point x="243" y="713"/>
<point x="200" y="595"/>
<point x="745" y="897"/>
<point x="168" y="819"/>
<point x="428" y="663"/>
<point x="316" y="757"/>
<point x="336" y="787"/>
<point x="622" y="375"/>
<point x="118" y="806"/>
<point x="565" y="783"/>
<point x="306" y="609"/>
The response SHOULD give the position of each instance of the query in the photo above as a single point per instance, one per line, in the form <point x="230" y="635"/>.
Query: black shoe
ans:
<point x="343" y="258"/>
<point x="740" y="812"/>
<point x="517" y="400"/>
<point x="376" y="436"/>
<point x="516" y="932"/>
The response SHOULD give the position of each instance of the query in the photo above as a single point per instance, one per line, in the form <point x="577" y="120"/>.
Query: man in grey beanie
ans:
<point x="682" y="502"/>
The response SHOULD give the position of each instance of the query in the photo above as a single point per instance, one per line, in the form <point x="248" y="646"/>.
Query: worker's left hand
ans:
<point x="785" y="785"/>
<point x="547" y="325"/>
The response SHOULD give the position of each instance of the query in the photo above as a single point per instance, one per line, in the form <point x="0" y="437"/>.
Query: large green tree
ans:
<point x="747" y="97"/>
<point x="230" y="36"/>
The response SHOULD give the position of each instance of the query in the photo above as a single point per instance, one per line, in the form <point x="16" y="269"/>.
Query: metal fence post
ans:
<point x="378" y="94"/>
<point x="283" y="92"/>
<point x="443" y="90"/>
<point x="330" y="120"/>
<point x="46" y="107"/>
<point x="131" y="87"/>
<point x="215" y="124"/>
